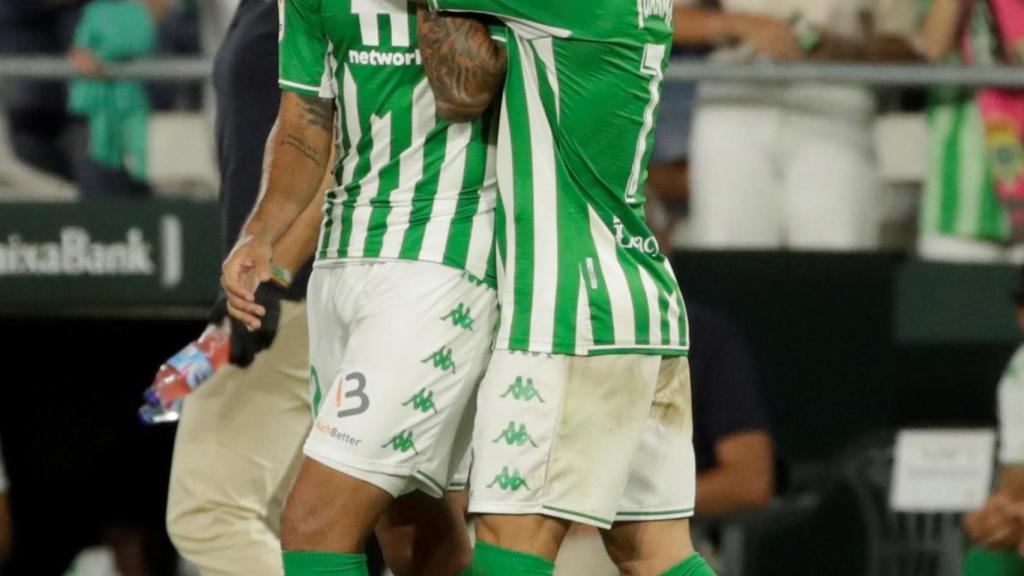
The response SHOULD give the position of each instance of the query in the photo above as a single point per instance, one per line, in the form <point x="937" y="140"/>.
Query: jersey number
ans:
<point x="369" y="23"/>
<point x="654" y="55"/>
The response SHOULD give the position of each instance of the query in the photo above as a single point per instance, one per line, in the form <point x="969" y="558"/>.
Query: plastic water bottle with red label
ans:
<point x="184" y="372"/>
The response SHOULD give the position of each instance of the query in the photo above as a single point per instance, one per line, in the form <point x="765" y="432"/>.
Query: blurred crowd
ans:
<point x="742" y="165"/>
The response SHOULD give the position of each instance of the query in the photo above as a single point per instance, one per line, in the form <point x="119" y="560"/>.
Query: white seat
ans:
<point x="181" y="155"/>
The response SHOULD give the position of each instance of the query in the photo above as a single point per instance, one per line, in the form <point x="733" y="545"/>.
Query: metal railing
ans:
<point x="880" y="75"/>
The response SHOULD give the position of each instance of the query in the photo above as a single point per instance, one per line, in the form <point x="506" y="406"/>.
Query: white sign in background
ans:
<point x="946" y="470"/>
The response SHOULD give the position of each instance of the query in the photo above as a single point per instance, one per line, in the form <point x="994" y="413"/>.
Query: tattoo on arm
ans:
<point x="303" y="147"/>
<point x="318" y="112"/>
<point x="465" y="66"/>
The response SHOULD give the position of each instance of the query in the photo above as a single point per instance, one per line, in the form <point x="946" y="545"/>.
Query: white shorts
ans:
<point x="397" y="350"/>
<point x="595" y="439"/>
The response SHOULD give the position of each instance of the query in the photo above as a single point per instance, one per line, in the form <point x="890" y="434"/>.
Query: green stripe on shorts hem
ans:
<point x="602" y="521"/>
<point x="456" y="486"/>
<point x="659" y="351"/>
<point x="431" y="480"/>
<point x="680" y="512"/>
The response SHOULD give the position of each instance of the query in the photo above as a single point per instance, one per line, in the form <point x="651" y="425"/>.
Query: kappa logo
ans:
<point x="523" y="390"/>
<point x="441" y="359"/>
<point x="509" y="481"/>
<point x="402" y="442"/>
<point x="515" y="436"/>
<point x="460" y="317"/>
<point x="422" y="401"/>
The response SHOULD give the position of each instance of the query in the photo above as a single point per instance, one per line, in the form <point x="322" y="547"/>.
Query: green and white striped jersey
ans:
<point x="411" y="186"/>
<point x="580" y="272"/>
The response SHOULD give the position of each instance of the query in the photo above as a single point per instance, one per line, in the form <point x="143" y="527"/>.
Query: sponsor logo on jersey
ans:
<point x="660" y="8"/>
<point x="343" y="437"/>
<point x="648" y="245"/>
<point x="384" y="58"/>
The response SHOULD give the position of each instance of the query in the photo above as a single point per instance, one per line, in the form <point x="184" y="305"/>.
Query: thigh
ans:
<point x="416" y="341"/>
<point x="662" y="481"/>
<point x="832" y="191"/>
<point x="735" y="200"/>
<point x="555" y="434"/>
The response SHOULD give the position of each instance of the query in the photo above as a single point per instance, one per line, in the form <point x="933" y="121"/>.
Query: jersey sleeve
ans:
<point x="304" y="59"/>
<point x="1011" y="412"/>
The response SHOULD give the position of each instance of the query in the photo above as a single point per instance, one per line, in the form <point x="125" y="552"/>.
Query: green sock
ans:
<point x="324" y="563"/>
<point x="490" y="560"/>
<point x="692" y="566"/>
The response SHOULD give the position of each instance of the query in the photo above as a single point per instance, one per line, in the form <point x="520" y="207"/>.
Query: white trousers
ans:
<point x="768" y="177"/>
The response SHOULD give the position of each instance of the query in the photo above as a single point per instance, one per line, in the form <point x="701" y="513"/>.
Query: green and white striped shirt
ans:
<point x="412" y="186"/>
<point x="580" y="272"/>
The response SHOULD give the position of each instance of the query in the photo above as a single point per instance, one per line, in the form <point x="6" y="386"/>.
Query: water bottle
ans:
<point x="184" y="372"/>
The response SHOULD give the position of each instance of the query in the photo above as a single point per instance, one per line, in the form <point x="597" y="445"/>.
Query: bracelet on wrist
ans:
<point x="808" y="37"/>
<point x="280" y="274"/>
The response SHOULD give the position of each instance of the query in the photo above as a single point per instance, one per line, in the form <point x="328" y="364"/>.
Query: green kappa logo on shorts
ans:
<point x="460" y="317"/>
<point x="523" y="390"/>
<point x="402" y="442"/>
<point x="422" y="401"/>
<point x="441" y="359"/>
<point x="509" y="482"/>
<point x="515" y="437"/>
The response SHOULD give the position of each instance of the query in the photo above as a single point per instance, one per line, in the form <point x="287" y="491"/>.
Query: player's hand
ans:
<point x="769" y="37"/>
<point x="246" y="344"/>
<point x="245" y="269"/>
<point x="997" y="525"/>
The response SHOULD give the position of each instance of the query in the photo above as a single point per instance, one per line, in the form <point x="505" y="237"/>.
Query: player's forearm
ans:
<point x="298" y="244"/>
<point x="941" y="29"/>
<point x="1011" y="482"/>
<point x="882" y="48"/>
<point x="725" y="491"/>
<point x="298" y="154"/>
<point x="465" y="66"/>
<point x="703" y="27"/>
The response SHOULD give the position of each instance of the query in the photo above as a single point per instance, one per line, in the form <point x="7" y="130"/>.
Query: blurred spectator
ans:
<point x="735" y="461"/>
<point x="117" y="111"/>
<point x="177" y="35"/>
<point x="5" y="517"/>
<point x="36" y="111"/>
<point x="669" y="169"/>
<point x="789" y="165"/>
<point x="999" y="525"/>
<point x="962" y="215"/>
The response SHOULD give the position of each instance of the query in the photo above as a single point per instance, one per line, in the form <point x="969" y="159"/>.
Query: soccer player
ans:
<point x="402" y="305"/>
<point x="584" y="413"/>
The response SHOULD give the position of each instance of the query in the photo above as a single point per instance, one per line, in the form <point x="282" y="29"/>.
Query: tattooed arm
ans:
<point x="465" y="66"/>
<point x="297" y="156"/>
